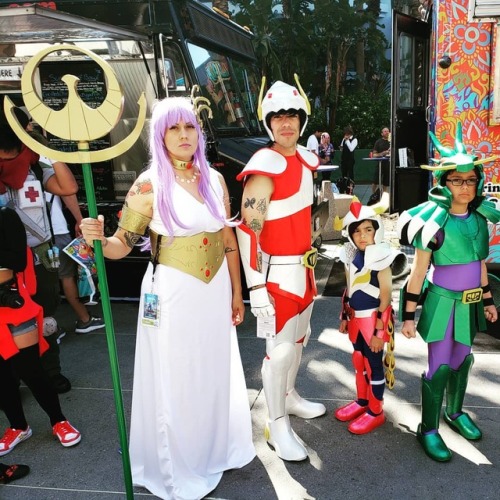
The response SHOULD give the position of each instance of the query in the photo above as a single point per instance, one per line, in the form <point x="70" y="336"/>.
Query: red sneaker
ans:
<point x="11" y="438"/>
<point x="366" y="423"/>
<point x="349" y="411"/>
<point x="66" y="433"/>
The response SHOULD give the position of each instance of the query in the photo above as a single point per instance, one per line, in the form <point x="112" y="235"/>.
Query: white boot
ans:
<point x="286" y="443"/>
<point x="300" y="407"/>
<point x="294" y="404"/>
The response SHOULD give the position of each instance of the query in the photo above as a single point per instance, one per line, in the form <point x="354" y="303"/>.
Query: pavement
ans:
<point x="386" y="464"/>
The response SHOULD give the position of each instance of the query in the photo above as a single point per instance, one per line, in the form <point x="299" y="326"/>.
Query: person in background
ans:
<point x="347" y="146"/>
<point x="190" y="413"/>
<point x="22" y="341"/>
<point x="18" y="184"/>
<point x="382" y="149"/>
<point x="326" y="149"/>
<point x="325" y="152"/>
<point x="68" y="268"/>
<point x="276" y="253"/>
<point x="313" y="141"/>
<point x="366" y="314"/>
<point x="450" y="235"/>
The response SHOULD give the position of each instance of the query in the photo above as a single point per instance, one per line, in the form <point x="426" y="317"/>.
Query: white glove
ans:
<point x="260" y="304"/>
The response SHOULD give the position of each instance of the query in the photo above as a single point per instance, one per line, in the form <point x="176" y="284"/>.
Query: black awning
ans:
<point x="40" y="25"/>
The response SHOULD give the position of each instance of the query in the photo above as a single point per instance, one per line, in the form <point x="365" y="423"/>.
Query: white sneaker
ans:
<point x="11" y="438"/>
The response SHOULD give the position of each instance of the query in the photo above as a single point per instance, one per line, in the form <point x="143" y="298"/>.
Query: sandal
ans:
<point x="10" y="473"/>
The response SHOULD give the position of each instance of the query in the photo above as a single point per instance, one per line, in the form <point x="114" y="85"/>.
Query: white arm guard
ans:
<point x="249" y="251"/>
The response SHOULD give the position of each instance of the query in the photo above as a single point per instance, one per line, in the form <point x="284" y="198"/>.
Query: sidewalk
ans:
<point x="386" y="464"/>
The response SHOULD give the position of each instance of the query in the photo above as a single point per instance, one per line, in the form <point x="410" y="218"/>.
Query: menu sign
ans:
<point x="92" y="90"/>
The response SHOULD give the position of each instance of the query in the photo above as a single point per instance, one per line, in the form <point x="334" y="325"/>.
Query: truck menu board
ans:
<point x="92" y="90"/>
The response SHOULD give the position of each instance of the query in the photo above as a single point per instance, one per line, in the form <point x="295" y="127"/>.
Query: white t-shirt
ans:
<point x="313" y="144"/>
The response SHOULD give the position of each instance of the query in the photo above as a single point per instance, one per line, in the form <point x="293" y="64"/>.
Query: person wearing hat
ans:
<point x="450" y="235"/>
<point x="275" y="248"/>
<point x="366" y="314"/>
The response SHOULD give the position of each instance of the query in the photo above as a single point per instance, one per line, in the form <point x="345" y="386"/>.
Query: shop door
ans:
<point x="410" y="91"/>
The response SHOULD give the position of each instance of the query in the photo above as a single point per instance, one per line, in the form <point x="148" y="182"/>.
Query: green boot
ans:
<point x="457" y="384"/>
<point x="432" y="400"/>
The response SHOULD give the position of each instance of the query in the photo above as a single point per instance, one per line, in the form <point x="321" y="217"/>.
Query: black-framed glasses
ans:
<point x="461" y="182"/>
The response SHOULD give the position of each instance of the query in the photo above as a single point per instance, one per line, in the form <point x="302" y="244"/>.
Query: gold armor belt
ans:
<point x="200" y="255"/>
<point x="470" y="296"/>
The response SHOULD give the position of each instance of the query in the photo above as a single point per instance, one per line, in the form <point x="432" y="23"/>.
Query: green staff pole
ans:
<point x="108" y="319"/>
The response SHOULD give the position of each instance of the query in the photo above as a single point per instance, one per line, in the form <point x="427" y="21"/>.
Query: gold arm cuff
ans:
<point x="200" y="255"/>
<point x="133" y="221"/>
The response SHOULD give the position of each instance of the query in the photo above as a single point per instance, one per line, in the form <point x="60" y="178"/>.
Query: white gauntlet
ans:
<point x="260" y="303"/>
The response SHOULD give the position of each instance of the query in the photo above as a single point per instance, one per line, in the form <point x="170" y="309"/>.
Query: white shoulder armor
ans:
<point x="310" y="159"/>
<point x="266" y="161"/>
<point x="380" y="256"/>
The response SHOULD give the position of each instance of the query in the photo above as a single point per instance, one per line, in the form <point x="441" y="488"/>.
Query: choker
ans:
<point x="187" y="181"/>
<point x="181" y="165"/>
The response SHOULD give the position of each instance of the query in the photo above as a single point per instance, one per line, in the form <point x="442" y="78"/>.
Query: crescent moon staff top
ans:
<point x="76" y="121"/>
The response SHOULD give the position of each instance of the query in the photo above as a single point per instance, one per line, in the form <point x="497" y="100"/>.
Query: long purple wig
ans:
<point x="167" y="113"/>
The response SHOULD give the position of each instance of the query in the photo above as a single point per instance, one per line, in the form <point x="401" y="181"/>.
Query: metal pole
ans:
<point x="108" y="320"/>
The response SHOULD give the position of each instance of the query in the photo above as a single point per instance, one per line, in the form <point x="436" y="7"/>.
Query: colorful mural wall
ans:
<point x="464" y="91"/>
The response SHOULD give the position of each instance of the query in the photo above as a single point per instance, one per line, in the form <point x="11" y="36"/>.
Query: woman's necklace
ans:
<point x="187" y="181"/>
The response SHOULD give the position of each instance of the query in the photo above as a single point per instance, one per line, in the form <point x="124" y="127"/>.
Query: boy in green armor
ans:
<point x="450" y="235"/>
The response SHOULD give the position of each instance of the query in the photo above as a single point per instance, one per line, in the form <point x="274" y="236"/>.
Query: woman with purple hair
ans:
<point x="190" y="414"/>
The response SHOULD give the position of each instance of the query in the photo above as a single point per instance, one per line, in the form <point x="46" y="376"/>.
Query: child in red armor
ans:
<point x="366" y="314"/>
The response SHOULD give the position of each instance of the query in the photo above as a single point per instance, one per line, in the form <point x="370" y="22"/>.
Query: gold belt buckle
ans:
<point x="472" y="296"/>
<point x="310" y="258"/>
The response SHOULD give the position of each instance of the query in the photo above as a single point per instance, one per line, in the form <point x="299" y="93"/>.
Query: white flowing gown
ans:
<point x="190" y="411"/>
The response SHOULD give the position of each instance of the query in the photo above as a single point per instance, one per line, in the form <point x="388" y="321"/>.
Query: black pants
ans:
<point x="48" y="295"/>
<point x="26" y="366"/>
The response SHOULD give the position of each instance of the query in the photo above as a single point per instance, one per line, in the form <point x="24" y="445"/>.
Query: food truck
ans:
<point x="160" y="47"/>
<point x="446" y="69"/>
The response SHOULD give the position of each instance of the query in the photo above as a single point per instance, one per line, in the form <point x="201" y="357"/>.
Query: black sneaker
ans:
<point x="91" y="325"/>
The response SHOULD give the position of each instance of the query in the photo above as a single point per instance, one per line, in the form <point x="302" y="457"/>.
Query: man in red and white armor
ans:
<point x="275" y="246"/>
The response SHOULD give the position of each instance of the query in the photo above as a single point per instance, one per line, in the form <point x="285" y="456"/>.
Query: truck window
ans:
<point x="173" y="57"/>
<point x="230" y="87"/>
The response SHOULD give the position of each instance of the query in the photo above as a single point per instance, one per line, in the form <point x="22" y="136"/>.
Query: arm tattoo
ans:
<point x="229" y="249"/>
<point x="259" y="262"/>
<point x="262" y="206"/>
<point x="249" y="202"/>
<point x="131" y="238"/>
<point x="143" y="187"/>
<point x="255" y="225"/>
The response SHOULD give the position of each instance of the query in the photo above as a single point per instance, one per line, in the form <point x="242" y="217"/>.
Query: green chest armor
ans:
<point x="466" y="240"/>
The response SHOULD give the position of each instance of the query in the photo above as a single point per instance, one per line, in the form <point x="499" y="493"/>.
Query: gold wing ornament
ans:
<point x="76" y="121"/>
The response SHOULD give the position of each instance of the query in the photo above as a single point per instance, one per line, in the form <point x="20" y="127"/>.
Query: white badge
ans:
<point x="151" y="310"/>
<point x="266" y="327"/>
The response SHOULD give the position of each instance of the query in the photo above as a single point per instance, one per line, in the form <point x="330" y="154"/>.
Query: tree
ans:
<point x="319" y="41"/>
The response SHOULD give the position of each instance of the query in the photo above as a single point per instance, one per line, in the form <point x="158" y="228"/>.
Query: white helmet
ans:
<point x="357" y="213"/>
<point x="282" y="97"/>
